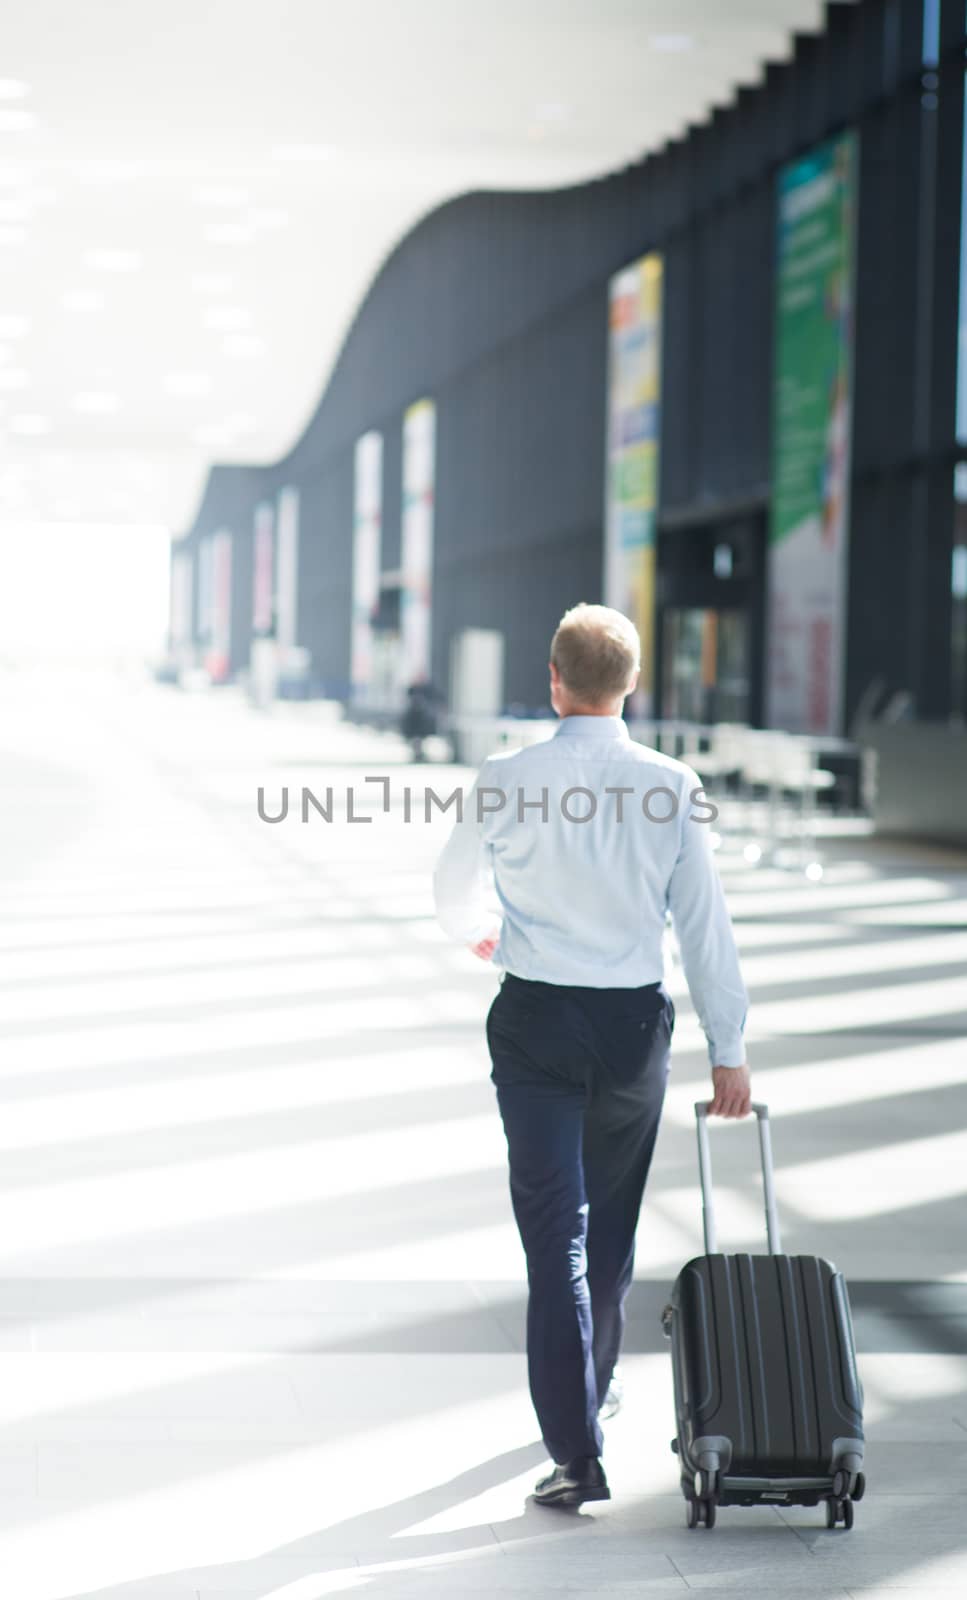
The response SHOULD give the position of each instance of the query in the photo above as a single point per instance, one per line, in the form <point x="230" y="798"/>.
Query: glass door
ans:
<point x="705" y="665"/>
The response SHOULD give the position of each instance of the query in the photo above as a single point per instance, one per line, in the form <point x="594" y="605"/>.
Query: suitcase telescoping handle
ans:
<point x="768" y="1186"/>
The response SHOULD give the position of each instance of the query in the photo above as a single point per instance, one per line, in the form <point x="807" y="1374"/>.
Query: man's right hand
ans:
<point x="732" y="1092"/>
<point x="485" y="947"/>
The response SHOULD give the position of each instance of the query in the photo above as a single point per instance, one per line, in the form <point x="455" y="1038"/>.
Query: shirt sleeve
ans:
<point x="462" y="878"/>
<point x="709" y="954"/>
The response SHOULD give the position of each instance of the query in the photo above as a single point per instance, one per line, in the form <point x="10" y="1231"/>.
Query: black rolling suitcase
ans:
<point x="768" y="1403"/>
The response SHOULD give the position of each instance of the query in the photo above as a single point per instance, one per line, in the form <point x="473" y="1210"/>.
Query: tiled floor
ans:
<point x="261" y="1299"/>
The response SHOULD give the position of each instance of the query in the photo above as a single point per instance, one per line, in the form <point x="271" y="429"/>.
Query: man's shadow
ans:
<point x="370" y="1536"/>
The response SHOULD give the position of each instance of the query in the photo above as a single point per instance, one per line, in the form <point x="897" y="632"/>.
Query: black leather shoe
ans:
<point x="582" y="1479"/>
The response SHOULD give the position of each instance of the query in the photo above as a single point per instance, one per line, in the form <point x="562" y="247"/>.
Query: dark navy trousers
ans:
<point x="580" y="1075"/>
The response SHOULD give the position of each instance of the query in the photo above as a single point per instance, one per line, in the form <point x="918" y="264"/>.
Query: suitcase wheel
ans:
<point x="699" y="1513"/>
<point x="706" y="1484"/>
<point x="859" y="1487"/>
<point x="839" y="1511"/>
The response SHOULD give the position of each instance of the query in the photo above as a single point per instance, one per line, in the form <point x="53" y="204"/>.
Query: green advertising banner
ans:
<point x="809" y="529"/>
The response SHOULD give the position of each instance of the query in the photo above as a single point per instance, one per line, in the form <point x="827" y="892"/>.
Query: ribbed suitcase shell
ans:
<point x="764" y="1361"/>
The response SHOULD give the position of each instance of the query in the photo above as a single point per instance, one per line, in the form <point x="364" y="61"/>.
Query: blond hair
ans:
<point x="597" y="653"/>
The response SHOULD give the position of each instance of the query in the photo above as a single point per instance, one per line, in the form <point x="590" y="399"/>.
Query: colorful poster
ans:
<point x="263" y="574"/>
<point x="287" y="569"/>
<point x="205" y="588"/>
<point x="218" y="660"/>
<point x="634" y="418"/>
<point x="180" y="613"/>
<point x="367" y="537"/>
<point x="962" y="310"/>
<point x="419" y="441"/>
<point x="812" y="402"/>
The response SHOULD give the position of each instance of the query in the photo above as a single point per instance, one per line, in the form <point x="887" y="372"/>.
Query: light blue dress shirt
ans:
<point x="590" y="839"/>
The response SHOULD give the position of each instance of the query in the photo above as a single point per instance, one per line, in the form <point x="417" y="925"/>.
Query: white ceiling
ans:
<point x="195" y="195"/>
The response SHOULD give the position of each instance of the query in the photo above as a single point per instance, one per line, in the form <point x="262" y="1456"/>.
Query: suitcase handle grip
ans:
<point x="768" y="1183"/>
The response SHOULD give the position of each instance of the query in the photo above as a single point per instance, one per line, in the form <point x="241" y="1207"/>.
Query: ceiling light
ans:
<point x="211" y="283"/>
<point x="5" y="354"/>
<point x="13" y="177"/>
<point x="112" y="260"/>
<point x="82" y="300"/>
<point x="227" y="233"/>
<point x="240" y="422"/>
<point x="217" y="194"/>
<point x="228" y="319"/>
<point x="671" y="43"/>
<point x="13" y="89"/>
<point x="243" y="344"/>
<point x="12" y="233"/>
<point x="13" y="325"/>
<point x="17" y="121"/>
<point x="13" y="378"/>
<point x="29" y="423"/>
<point x="96" y="403"/>
<point x="304" y="152"/>
<point x="187" y="382"/>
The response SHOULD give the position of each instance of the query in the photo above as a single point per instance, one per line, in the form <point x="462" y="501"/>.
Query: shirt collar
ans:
<point x="592" y="728"/>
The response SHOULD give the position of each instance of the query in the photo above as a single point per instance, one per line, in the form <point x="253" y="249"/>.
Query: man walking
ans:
<point x="591" y="839"/>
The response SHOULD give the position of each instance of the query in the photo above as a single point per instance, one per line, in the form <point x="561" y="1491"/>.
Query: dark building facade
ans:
<point x="496" y="308"/>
